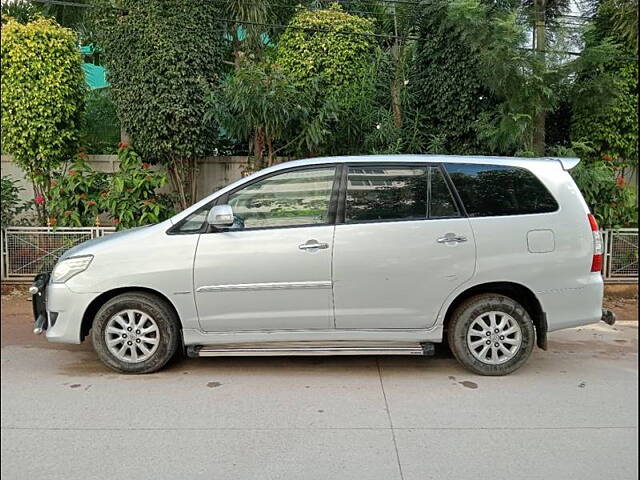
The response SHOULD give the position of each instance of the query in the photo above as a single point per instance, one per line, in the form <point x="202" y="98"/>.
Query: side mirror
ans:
<point x="220" y="216"/>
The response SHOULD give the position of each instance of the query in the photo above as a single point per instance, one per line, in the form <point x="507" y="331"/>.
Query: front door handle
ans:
<point x="452" y="238"/>
<point x="313" y="245"/>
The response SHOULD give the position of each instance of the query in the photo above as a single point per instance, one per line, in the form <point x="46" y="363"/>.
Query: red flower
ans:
<point x="91" y="202"/>
<point x="123" y="145"/>
<point x="607" y="158"/>
<point x="116" y="221"/>
<point x="146" y="165"/>
<point x="620" y="182"/>
<point x="39" y="199"/>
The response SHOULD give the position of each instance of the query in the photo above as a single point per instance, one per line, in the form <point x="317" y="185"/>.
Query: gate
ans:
<point x="27" y="251"/>
<point x="620" y="255"/>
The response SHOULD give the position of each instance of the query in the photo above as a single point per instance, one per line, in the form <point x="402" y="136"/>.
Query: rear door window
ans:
<point x="393" y="193"/>
<point x="496" y="190"/>
<point x="386" y="193"/>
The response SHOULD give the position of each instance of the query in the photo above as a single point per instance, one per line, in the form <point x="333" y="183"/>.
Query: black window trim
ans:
<point x="222" y="199"/>
<point x="341" y="211"/>
<point x="462" y="212"/>
<point x="459" y="198"/>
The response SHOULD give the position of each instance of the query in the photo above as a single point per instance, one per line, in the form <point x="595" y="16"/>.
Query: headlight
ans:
<point x="66" y="269"/>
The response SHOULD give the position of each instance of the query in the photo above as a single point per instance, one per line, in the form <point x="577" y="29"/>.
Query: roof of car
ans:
<point x="566" y="162"/>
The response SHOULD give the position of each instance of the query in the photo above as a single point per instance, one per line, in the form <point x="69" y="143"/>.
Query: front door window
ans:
<point x="295" y="198"/>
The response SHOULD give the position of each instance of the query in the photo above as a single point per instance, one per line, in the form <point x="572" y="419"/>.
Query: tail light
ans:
<point x="596" y="261"/>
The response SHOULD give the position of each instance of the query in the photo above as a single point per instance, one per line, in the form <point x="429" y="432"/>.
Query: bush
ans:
<point x="74" y="198"/>
<point x="611" y="200"/>
<point x="42" y="97"/>
<point x="131" y="199"/>
<point x="12" y="206"/>
<point x="128" y="197"/>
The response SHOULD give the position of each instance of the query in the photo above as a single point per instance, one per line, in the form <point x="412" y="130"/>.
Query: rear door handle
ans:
<point x="313" y="245"/>
<point x="452" y="238"/>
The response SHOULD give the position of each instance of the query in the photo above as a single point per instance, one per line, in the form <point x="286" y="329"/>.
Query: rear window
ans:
<point x="494" y="190"/>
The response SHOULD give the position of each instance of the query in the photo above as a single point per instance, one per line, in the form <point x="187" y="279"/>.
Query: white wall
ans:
<point x="214" y="172"/>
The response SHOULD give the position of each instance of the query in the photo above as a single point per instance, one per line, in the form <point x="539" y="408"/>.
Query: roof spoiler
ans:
<point x="567" y="162"/>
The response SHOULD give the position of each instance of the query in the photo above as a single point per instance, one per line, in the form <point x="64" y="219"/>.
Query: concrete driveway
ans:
<point x="571" y="412"/>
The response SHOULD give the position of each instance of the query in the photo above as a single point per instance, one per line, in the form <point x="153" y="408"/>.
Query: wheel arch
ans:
<point x="95" y="305"/>
<point x="518" y="292"/>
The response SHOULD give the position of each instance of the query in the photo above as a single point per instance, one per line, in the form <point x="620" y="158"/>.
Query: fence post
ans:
<point x="3" y="274"/>
<point x="605" y="253"/>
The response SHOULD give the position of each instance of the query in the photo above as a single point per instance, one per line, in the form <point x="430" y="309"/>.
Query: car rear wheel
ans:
<point x="491" y="334"/>
<point x="135" y="333"/>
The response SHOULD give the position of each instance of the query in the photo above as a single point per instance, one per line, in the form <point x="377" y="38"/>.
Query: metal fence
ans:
<point x="27" y="251"/>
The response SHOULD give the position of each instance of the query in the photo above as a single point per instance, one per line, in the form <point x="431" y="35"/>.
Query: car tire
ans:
<point x="135" y="333"/>
<point x="491" y="334"/>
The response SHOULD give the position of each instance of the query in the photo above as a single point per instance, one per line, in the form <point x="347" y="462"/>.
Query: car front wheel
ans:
<point x="491" y="334"/>
<point x="135" y="333"/>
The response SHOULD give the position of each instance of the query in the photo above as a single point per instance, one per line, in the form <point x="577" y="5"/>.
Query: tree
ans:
<point x="329" y="52"/>
<point x="22" y="11"/>
<point x="259" y="104"/>
<point x="605" y="102"/>
<point x="446" y="82"/>
<point x="328" y="45"/>
<point x="42" y="99"/>
<point x="485" y="92"/>
<point x="163" y="59"/>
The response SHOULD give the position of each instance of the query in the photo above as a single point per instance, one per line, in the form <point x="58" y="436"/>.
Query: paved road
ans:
<point x="572" y="412"/>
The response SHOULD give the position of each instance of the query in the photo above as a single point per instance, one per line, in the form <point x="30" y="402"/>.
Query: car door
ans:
<point x="272" y="269"/>
<point x="401" y="246"/>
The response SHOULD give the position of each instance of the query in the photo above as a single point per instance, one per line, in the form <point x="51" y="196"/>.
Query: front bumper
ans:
<point x="58" y="310"/>
<point x="38" y="292"/>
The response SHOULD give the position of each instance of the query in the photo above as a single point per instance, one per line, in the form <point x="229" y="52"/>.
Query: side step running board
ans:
<point x="310" y="349"/>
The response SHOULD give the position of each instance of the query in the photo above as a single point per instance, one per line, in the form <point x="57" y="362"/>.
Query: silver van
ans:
<point x="343" y="256"/>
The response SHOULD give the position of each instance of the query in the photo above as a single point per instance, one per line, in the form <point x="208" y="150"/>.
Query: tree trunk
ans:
<point x="397" y="82"/>
<point x="194" y="179"/>
<point x="178" y="185"/>
<point x="540" y="46"/>
<point x="124" y="137"/>
<point x="396" y="104"/>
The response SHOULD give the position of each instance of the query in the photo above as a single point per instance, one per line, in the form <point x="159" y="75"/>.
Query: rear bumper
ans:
<point x="608" y="317"/>
<point x="574" y="306"/>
